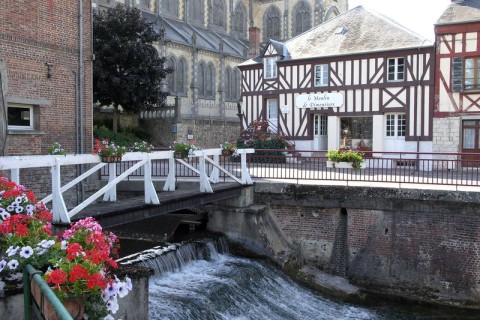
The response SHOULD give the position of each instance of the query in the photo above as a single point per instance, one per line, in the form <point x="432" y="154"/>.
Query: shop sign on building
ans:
<point x="319" y="100"/>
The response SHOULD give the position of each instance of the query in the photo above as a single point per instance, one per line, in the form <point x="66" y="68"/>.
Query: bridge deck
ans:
<point x="133" y="209"/>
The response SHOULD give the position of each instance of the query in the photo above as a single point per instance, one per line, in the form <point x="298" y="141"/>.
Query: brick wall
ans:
<point x="32" y="34"/>
<point x="388" y="241"/>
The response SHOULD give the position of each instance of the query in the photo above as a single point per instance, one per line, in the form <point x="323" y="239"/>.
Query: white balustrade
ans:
<point x="139" y="159"/>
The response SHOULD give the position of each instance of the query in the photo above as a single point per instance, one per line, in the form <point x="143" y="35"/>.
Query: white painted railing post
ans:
<point x="170" y="181"/>
<point x="15" y="175"/>
<point x="151" y="196"/>
<point x="111" y="194"/>
<point x="246" y="179"/>
<point x="204" y="183"/>
<point x="215" y="175"/>
<point x="60" y="214"/>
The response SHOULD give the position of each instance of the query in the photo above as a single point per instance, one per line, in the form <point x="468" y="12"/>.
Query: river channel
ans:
<point x="227" y="287"/>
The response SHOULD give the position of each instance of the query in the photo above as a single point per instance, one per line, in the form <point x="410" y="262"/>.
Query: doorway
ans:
<point x="471" y="143"/>
<point x="320" y="138"/>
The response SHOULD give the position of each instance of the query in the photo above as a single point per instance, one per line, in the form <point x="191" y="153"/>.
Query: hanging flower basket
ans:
<point x="74" y="305"/>
<point x="112" y="159"/>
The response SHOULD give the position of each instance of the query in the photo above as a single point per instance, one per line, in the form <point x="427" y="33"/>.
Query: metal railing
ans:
<point x="46" y="297"/>
<point x="448" y="169"/>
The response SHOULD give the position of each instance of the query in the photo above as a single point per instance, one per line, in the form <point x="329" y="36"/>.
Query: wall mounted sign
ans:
<point x="319" y="100"/>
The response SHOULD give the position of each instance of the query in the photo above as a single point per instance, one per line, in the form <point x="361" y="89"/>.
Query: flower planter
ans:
<point x="226" y="153"/>
<point x="74" y="305"/>
<point x="179" y="155"/>
<point x="111" y="159"/>
<point x="343" y="165"/>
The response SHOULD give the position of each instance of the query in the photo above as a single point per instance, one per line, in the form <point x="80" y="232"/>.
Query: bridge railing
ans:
<point x="135" y="160"/>
<point x="434" y="168"/>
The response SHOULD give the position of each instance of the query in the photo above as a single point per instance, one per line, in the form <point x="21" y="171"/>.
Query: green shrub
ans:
<point x="346" y="155"/>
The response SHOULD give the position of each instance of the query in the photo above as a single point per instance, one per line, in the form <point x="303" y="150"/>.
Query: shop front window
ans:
<point x="356" y="133"/>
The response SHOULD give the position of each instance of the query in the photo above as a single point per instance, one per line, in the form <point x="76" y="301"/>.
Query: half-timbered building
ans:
<point x="359" y="80"/>
<point x="457" y="88"/>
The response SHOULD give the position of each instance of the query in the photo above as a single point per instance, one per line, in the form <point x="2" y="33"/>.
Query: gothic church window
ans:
<point x="218" y="14"/>
<point x="169" y="7"/>
<point x="206" y="80"/>
<point x="302" y="18"/>
<point x="181" y="74"/>
<point x="196" y="11"/>
<point x="228" y="85"/>
<point x="239" y="20"/>
<point x="172" y="64"/>
<point x="272" y="23"/>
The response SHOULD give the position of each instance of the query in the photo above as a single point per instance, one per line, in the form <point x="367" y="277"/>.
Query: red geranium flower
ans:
<point x="57" y="277"/>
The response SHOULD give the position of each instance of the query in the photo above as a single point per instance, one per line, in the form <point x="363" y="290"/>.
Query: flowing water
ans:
<point x="195" y="281"/>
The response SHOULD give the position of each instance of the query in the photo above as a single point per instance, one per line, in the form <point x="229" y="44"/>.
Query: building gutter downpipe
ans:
<point x="81" y="76"/>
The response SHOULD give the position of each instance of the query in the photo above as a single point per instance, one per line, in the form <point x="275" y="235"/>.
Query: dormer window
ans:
<point x="270" y="67"/>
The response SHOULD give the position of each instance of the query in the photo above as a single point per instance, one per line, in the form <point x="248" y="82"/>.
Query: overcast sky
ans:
<point x="416" y="15"/>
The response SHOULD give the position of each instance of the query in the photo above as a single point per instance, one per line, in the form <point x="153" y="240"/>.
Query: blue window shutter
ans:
<point x="457" y="74"/>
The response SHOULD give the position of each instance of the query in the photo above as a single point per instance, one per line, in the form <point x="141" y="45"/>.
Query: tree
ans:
<point x="127" y="70"/>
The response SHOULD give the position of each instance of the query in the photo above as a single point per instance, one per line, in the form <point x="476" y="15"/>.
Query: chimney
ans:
<point x="254" y="41"/>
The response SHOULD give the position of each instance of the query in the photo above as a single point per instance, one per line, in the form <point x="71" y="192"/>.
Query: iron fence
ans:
<point x="459" y="169"/>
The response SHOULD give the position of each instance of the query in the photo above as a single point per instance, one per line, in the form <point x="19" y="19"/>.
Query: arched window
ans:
<point x="218" y="14"/>
<point x="228" y="84"/>
<point x="196" y="11"/>
<point x="271" y="23"/>
<point x="171" y="63"/>
<point x="302" y="18"/>
<point x="239" y="24"/>
<point x="169" y="7"/>
<point x="201" y="80"/>
<point x="210" y="79"/>
<point x="236" y="84"/>
<point x="180" y="76"/>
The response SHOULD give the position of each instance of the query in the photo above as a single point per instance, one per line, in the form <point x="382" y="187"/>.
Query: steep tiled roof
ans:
<point x="358" y="30"/>
<point x="461" y="12"/>
<point x="180" y="32"/>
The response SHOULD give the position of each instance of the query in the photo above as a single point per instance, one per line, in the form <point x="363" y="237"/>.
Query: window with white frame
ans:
<point x="270" y="67"/>
<point x="20" y="117"/>
<point x="321" y="75"/>
<point x="272" y="110"/>
<point x="396" y="69"/>
<point x="395" y="125"/>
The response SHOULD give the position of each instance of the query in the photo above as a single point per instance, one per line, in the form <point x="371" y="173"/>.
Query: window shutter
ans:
<point x="457" y="72"/>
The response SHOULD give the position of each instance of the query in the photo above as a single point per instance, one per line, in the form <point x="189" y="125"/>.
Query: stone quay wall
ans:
<point x="412" y="243"/>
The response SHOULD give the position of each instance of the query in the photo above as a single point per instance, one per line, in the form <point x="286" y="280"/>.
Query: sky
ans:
<point x="417" y="15"/>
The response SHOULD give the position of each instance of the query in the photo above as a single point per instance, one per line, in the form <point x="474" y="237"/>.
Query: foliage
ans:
<point x="127" y="69"/>
<point x="78" y="261"/>
<point x="269" y="144"/>
<point x="56" y="149"/>
<point x="346" y="155"/>
<point x="105" y="148"/>
<point x="124" y="138"/>
<point x="142" y="147"/>
<point x="228" y="147"/>
<point x="184" y="148"/>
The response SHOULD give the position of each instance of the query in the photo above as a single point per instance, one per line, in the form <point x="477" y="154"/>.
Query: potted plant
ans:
<point x="142" y="147"/>
<point x="56" y="149"/>
<point x="228" y="148"/>
<point x="108" y="151"/>
<point x="344" y="158"/>
<point x="183" y="150"/>
<point x="79" y="261"/>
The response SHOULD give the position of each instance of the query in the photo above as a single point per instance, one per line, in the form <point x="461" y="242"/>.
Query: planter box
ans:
<point x="74" y="305"/>
<point x="343" y="165"/>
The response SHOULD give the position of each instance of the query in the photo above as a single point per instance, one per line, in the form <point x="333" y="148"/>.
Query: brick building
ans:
<point x="46" y="75"/>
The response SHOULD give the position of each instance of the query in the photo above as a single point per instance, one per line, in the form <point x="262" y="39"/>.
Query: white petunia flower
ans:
<point x="122" y="289"/>
<point x="109" y="317"/>
<point x="10" y="208"/>
<point x="64" y="245"/>
<point x="12" y="264"/>
<point x="18" y="199"/>
<point x="19" y="209"/>
<point x="12" y="250"/>
<point x="111" y="289"/>
<point x="47" y="243"/>
<point x="26" y="252"/>
<point x="3" y="263"/>
<point x="112" y="305"/>
<point x="129" y="283"/>
<point x="5" y="215"/>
